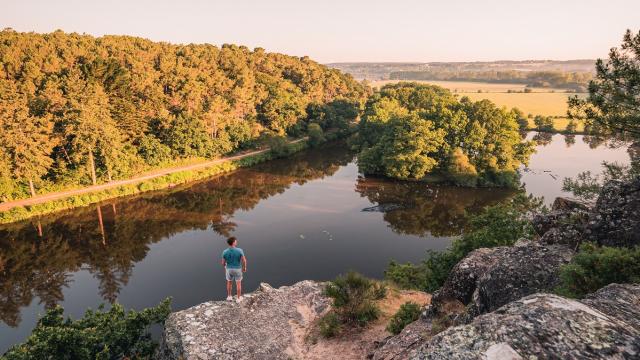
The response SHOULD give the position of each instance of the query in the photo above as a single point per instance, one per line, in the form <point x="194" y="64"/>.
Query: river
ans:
<point x="311" y="216"/>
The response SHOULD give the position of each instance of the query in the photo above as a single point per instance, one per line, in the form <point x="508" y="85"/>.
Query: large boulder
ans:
<point x="489" y="278"/>
<point x="405" y="344"/>
<point x="565" y="224"/>
<point x="463" y="278"/>
<point x="518" y="272"/>
<point x="568" y="204"/>
<point x="544" y="326"/>
<point x="615" y="220"/>
<point x="268" y="324"/>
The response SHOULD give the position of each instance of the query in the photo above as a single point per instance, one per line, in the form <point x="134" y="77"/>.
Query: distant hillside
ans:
<point x="383" y="71"/>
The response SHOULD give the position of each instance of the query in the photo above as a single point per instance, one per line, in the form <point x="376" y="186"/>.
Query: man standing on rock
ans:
<point x="235" y="263"/>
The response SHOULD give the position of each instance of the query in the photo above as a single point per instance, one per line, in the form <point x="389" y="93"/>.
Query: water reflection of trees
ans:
<point x="422" y="209"/>
<point x="37" y="258"/>
<point x="543" y="138"/>
<point x="569" y="140"/>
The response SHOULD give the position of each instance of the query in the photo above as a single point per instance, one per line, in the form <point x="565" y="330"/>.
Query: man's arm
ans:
<point x="244" y="263"/>
<point x="223" y="261"/>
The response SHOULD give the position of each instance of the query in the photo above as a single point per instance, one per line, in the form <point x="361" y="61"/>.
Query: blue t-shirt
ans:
<point x="233" y="256"/>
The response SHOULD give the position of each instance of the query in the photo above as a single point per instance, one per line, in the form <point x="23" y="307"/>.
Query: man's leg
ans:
<point x="239" y="287"/>
<point x="229" y="287"/>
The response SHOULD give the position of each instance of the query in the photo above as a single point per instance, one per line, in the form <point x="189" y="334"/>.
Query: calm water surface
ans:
<point x="308" y="217"/>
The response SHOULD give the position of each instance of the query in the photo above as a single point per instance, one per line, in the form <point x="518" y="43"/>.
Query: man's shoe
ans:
<point x="239" y="298"/>
<point x="229" y="298"/>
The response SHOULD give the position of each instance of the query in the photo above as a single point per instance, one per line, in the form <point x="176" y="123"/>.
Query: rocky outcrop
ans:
<point x="268" y="324"/>
<point x="548" y="327"/>
<point x="517" y="272"/>
<point x="506" y="313"/>
<point x="567" y="204"/>
<point x="463" y="279"/>
<point x="621" y="302"/>
<point x="405" y="344"/>
<point x="615" y="220"/>
<point x="489" y="278"/>
<point x="565" y="224"/>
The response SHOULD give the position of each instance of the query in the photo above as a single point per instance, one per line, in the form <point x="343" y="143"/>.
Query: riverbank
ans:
<point x="23" y="209"/>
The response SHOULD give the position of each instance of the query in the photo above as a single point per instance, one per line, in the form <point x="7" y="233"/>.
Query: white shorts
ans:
<point x="233" y="274"/>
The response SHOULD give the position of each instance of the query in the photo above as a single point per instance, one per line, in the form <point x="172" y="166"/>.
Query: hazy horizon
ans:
<point x="405" y="31"/>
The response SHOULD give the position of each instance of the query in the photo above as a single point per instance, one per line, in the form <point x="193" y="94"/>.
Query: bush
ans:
<point x="278" y="146"/>
<point x="153" y="151"/>
<point x="408" y="313"/>
<point x="316" y="135"/>
<point x="354" y="299"/>
<point x="112" y="334"/>
<point x="499" y="225"/>
<point x="330" y="325"/>
<point x="460" y="170"/>
<point x="594" y="267"/>
<point x="379" y="291"/>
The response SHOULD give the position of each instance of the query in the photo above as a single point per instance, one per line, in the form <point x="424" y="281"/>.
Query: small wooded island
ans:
<point x="409" y="131"/>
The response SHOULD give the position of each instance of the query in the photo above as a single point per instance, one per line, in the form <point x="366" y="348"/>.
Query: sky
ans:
<point x="352" y="30"/>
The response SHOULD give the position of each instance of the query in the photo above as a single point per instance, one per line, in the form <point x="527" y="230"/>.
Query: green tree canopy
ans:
<point x="76" y="109"/>
<point x="409" y="130"/>
<point x="613" y="105"/>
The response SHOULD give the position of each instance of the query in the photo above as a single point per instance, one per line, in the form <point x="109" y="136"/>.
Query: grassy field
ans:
<point x="547" y="104"/>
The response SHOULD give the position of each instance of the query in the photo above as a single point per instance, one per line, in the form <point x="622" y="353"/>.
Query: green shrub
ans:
<point x="278" y="146"/>
<point x="379" y="291"/>
<point x="460" y="170"/>
<point x="112" y="334"/>
<point x="354" y="298"/>
<point x="316" y="135"/>
<point x="499" y="225"/>
<point x="330" y="325"/>
<point x="153" y="151"/>
<point x="408" y="313"/>
<point x="406" y="276"/>
<point x="594" y="267"/>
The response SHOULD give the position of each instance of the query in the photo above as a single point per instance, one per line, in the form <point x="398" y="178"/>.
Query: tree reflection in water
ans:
<point x="107" y="240"/>
<point x="421" y="209"/>
<point x="38" y="257"/>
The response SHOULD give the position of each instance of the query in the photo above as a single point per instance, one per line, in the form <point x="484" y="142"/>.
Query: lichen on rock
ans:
<point x="547" y="326"/>
<point x="268" y="324"/>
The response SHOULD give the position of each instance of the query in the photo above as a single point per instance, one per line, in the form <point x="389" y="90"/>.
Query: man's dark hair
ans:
<point x="231" y="240"/>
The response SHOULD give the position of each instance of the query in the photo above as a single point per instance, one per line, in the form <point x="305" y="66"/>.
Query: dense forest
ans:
<point x="77" y="110"/>
<point x="409" y="130"/>
<point x="575" y="81"/>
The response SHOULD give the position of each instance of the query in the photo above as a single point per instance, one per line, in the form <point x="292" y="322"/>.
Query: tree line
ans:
<point x="78" y="110"/>
<point x="575" y="81"/>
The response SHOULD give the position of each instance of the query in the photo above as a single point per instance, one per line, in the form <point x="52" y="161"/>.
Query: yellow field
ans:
<point x="548" y="104"/>
<point x="469" y="86"/>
